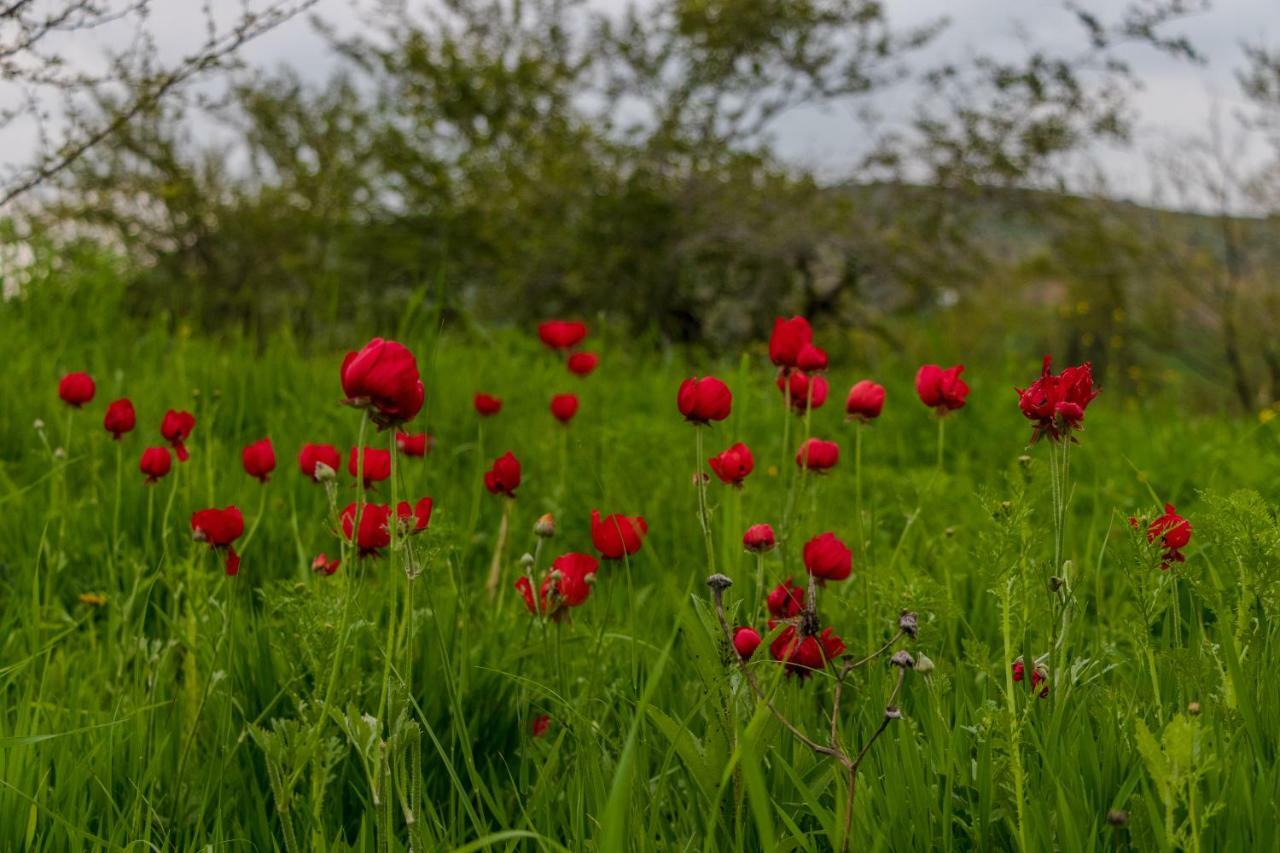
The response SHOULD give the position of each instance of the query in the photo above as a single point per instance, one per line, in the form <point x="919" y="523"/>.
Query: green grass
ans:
<point x="194" y="710"/>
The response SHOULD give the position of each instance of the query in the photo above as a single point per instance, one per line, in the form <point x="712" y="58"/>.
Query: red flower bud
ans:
<point x="617" y="535"/>
<point x="827" y="558"/>
<point x="759" y="538"/>
<point x="76" y="389"/>
<point x="583" y="363"/>
<point x="313" y="453"/>
<point x="219" y="528"/>
<point x="733" y="465"/>
<point x="567" y="584"/>
<point x="540" y="725"/>
<point x="120" y="418"/>
<point x="176" y="429"/>
<point x="372" y="533"/>
<point x="562" y="334"/>
<point x="941" y="390"/>
<point x="865" y="401"/>
<point x="811" y="358"/>
<point x="259" y="459"/>
<point x="818" y="455"/>
<point x="746" y="641"/>
<point x="377" y="465"/>
<point x="487" y="405"/>
<point x="788" y="338"/>
<point x="322" y="565"/>
<point x="504" y="477"/>
<point x="704" y="400"/>
<point x="564" y="407"/>
<point x="383" y="378"/>
<point x="786" y="601"/>
<point x="155" y="463"/>
<point x="413" y="444"/>
<point x="805" y="391"/>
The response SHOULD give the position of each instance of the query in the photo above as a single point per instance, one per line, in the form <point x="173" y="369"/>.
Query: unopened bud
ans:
<point x="545" y="526"/>
<point x="903" y="658"/>
<point x="892" y="713"/>
<point x="59" y="453"/>
<point x="526" y="562"/>
<point x="1024" y="460"/>
<point x="1117" y="817"/>
<point x="924" y="665"/>
<point x="719" y="582"/>
<point x="949" y="532"/>
<point x="908" y="623"/>
<point x="1056" y="583"/>
<point x="324" y="473"/>
<point x="701" y="478"/>
<point x="38" y="425"/>
<point x="1006" y="506"/>
<point x="1193" y="708"/>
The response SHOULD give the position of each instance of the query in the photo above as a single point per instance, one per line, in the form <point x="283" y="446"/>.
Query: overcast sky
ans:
<point x="1176" y="102"/>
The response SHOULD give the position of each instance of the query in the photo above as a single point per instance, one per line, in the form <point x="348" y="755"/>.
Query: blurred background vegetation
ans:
<point x="504" y="161"/>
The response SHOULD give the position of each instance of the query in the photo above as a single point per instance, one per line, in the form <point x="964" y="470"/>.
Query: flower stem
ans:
<point x="942" y="439"/>
<point x="703" y="513"/>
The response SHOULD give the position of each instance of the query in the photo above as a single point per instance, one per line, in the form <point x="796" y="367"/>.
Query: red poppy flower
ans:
<point x="746" y="641"/>
<point x="865" y="401"/>
<point x="219" y="528"/>
<point x="504" y="477"/>
<point x="811" y="359"/>
<point x="564" y="407"/>
<point x="1038" y="675"/>
<point x="120" y="418"/>
<point x="377" y="465"/>
<point x="827" y="558"/>
<point x="704" y="400"/>
<point x="805" y="653"/>
<point x="414" y="518"/>
<point x="567" y="584"/>
<point x="383" y="378"/>
<point x="155" y="463"/>
<point x="806" y="390"/>
<point x="786" y="600"/>
<point x="372" y="533"/>
<point x="413" y="444"/>
<point x="324" y="454"/>
<point x="487" y="405"/>
<point x="322" y="565"/>
<point x="788" y="338"/>
<point x="76" y="389"/>
<point x="1174" y="532"/>
<point x="941" y="390"/>
<point x="733" y="465"/>
<point x="259" y="459"/>
<point x="541" y="723"/>
<point x="176" y="429"/>
<point x="818" y="455"/>
<point x="583" y="363"/>
<point x="1055" y="404"/>
<point x="616" y="535"/>
<point x="759" y="538"/>
<point x="562" y="334"/>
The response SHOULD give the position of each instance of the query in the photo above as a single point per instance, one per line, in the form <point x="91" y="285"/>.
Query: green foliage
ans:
<point x="192" y="710"/>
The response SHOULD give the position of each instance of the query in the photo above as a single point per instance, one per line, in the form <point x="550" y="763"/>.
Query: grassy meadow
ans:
<point x="152" y="702"/>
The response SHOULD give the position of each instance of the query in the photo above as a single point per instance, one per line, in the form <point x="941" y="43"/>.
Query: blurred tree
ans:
<point x="43" y="63"/>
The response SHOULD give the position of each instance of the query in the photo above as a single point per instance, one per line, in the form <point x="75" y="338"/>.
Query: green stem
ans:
<point x="942" y="439"/>
<point x="1015" y="746"/>
<point x="703" y="515"/>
